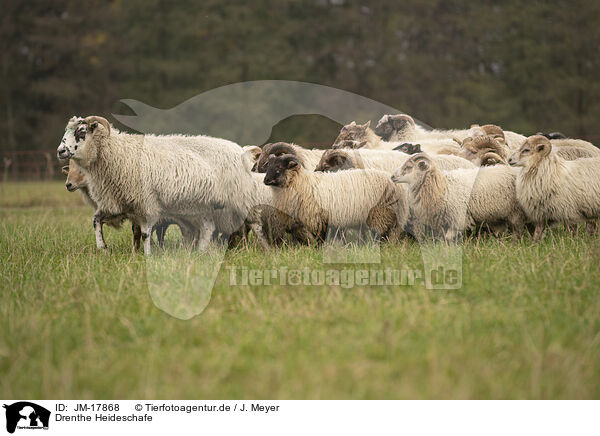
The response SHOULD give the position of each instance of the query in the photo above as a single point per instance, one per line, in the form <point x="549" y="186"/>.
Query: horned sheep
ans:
<point x="347" y="199"/>
<point x="309" y="158"/>
<point x="148" y="178"/>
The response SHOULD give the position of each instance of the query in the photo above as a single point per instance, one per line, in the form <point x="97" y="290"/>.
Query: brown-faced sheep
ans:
<point x="443" y="204"/>
<point x="551" y="189"/>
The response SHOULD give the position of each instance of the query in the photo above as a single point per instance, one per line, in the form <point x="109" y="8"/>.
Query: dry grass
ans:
<point x="75" y="323"/>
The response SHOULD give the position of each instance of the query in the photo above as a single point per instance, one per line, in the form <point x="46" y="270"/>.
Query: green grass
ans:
<point x="75" y="323"/>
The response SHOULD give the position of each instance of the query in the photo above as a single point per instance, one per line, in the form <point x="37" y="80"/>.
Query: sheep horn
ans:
<point x="101" y="120"/>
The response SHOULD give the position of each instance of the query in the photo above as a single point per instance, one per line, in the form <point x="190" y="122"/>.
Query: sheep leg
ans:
<point x="161" y="231"/>
<point x="137" y="236"/>
<point x="572" y="228"/>
<point x="146" y="237"/>
<point x="539" y="231"/>
<point x="188" y="233"/>
<point x="97" y="223"/>
<point x="206" y="232"/>
<point x="260" y="235"/>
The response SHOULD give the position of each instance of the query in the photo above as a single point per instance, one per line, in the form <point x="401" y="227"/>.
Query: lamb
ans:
<point x="362" y="136"/>
<point x="344" y="200"/>
<point x="76" y="181"/>
<point x="309" y="158"/>
<point x="443" y="204"/>
<point x="551" y="189"/>
<point x="344" y="159"/>
<point x="148" y="178"/>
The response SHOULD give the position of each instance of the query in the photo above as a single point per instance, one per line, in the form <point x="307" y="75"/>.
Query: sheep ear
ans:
<point x="65" y="170"/>
<point x="367" y="124"/>
<point x="292" y="163"/>
<point x="423" y="165"/>
<point x="248" y="160"/>
<point x="93" y="125"/>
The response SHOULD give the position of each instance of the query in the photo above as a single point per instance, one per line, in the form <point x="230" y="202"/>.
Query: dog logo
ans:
<point x="26" y="415"/>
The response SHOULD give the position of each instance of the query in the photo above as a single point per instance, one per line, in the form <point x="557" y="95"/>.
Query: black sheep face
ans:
<point x="280" y="169"/>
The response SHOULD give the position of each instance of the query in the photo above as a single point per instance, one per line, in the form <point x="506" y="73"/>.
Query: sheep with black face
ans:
<point x="346" y="199"/>
<point x="309" y="158"/>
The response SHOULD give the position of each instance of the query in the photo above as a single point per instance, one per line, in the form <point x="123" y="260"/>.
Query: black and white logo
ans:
<point x="26" y="415"/>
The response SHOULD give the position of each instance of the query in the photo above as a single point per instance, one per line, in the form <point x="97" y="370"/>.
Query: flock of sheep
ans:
<point x="398" y="179"/>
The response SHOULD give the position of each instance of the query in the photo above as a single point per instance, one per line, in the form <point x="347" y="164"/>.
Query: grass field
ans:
<point x="75" y="323"/>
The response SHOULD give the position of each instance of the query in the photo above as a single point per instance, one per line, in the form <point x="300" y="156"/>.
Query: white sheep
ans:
<point x="147" y="178"/>
<point x="346" y="199"/>
<point x="446" y="203"/>
<point x="551" y="189"/>
<point x="386" y="160"/>
<point x="76" y="181"/>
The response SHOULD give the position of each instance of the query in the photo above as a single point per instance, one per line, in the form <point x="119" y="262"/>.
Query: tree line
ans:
<point x="527" y="66"/>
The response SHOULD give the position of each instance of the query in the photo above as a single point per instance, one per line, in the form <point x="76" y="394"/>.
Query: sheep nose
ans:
<point x="69" y="186"/>
<point x="62" y="152"/>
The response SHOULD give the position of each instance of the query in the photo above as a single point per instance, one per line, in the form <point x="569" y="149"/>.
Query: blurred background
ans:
<point x="527" y="66"/>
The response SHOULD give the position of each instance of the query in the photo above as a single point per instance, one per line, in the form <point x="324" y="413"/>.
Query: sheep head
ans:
<point x="413" y="170"/>
<point x="495" y="132"/>
<point x="353" y="136"/>
<point x="533" y="150"/>
<point x="553" y="135"/>
<point x="277" y="149"/>
<point x="250" y="156"/>
<point x="334" y="160"/>
<point x="474" y="148"/>
<point x="76" y="141"/>
<point x="75" y="178"/>
<point x="281" y="169"/>
<point x="389" y="125"/>
<point x="409" y="148"/>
